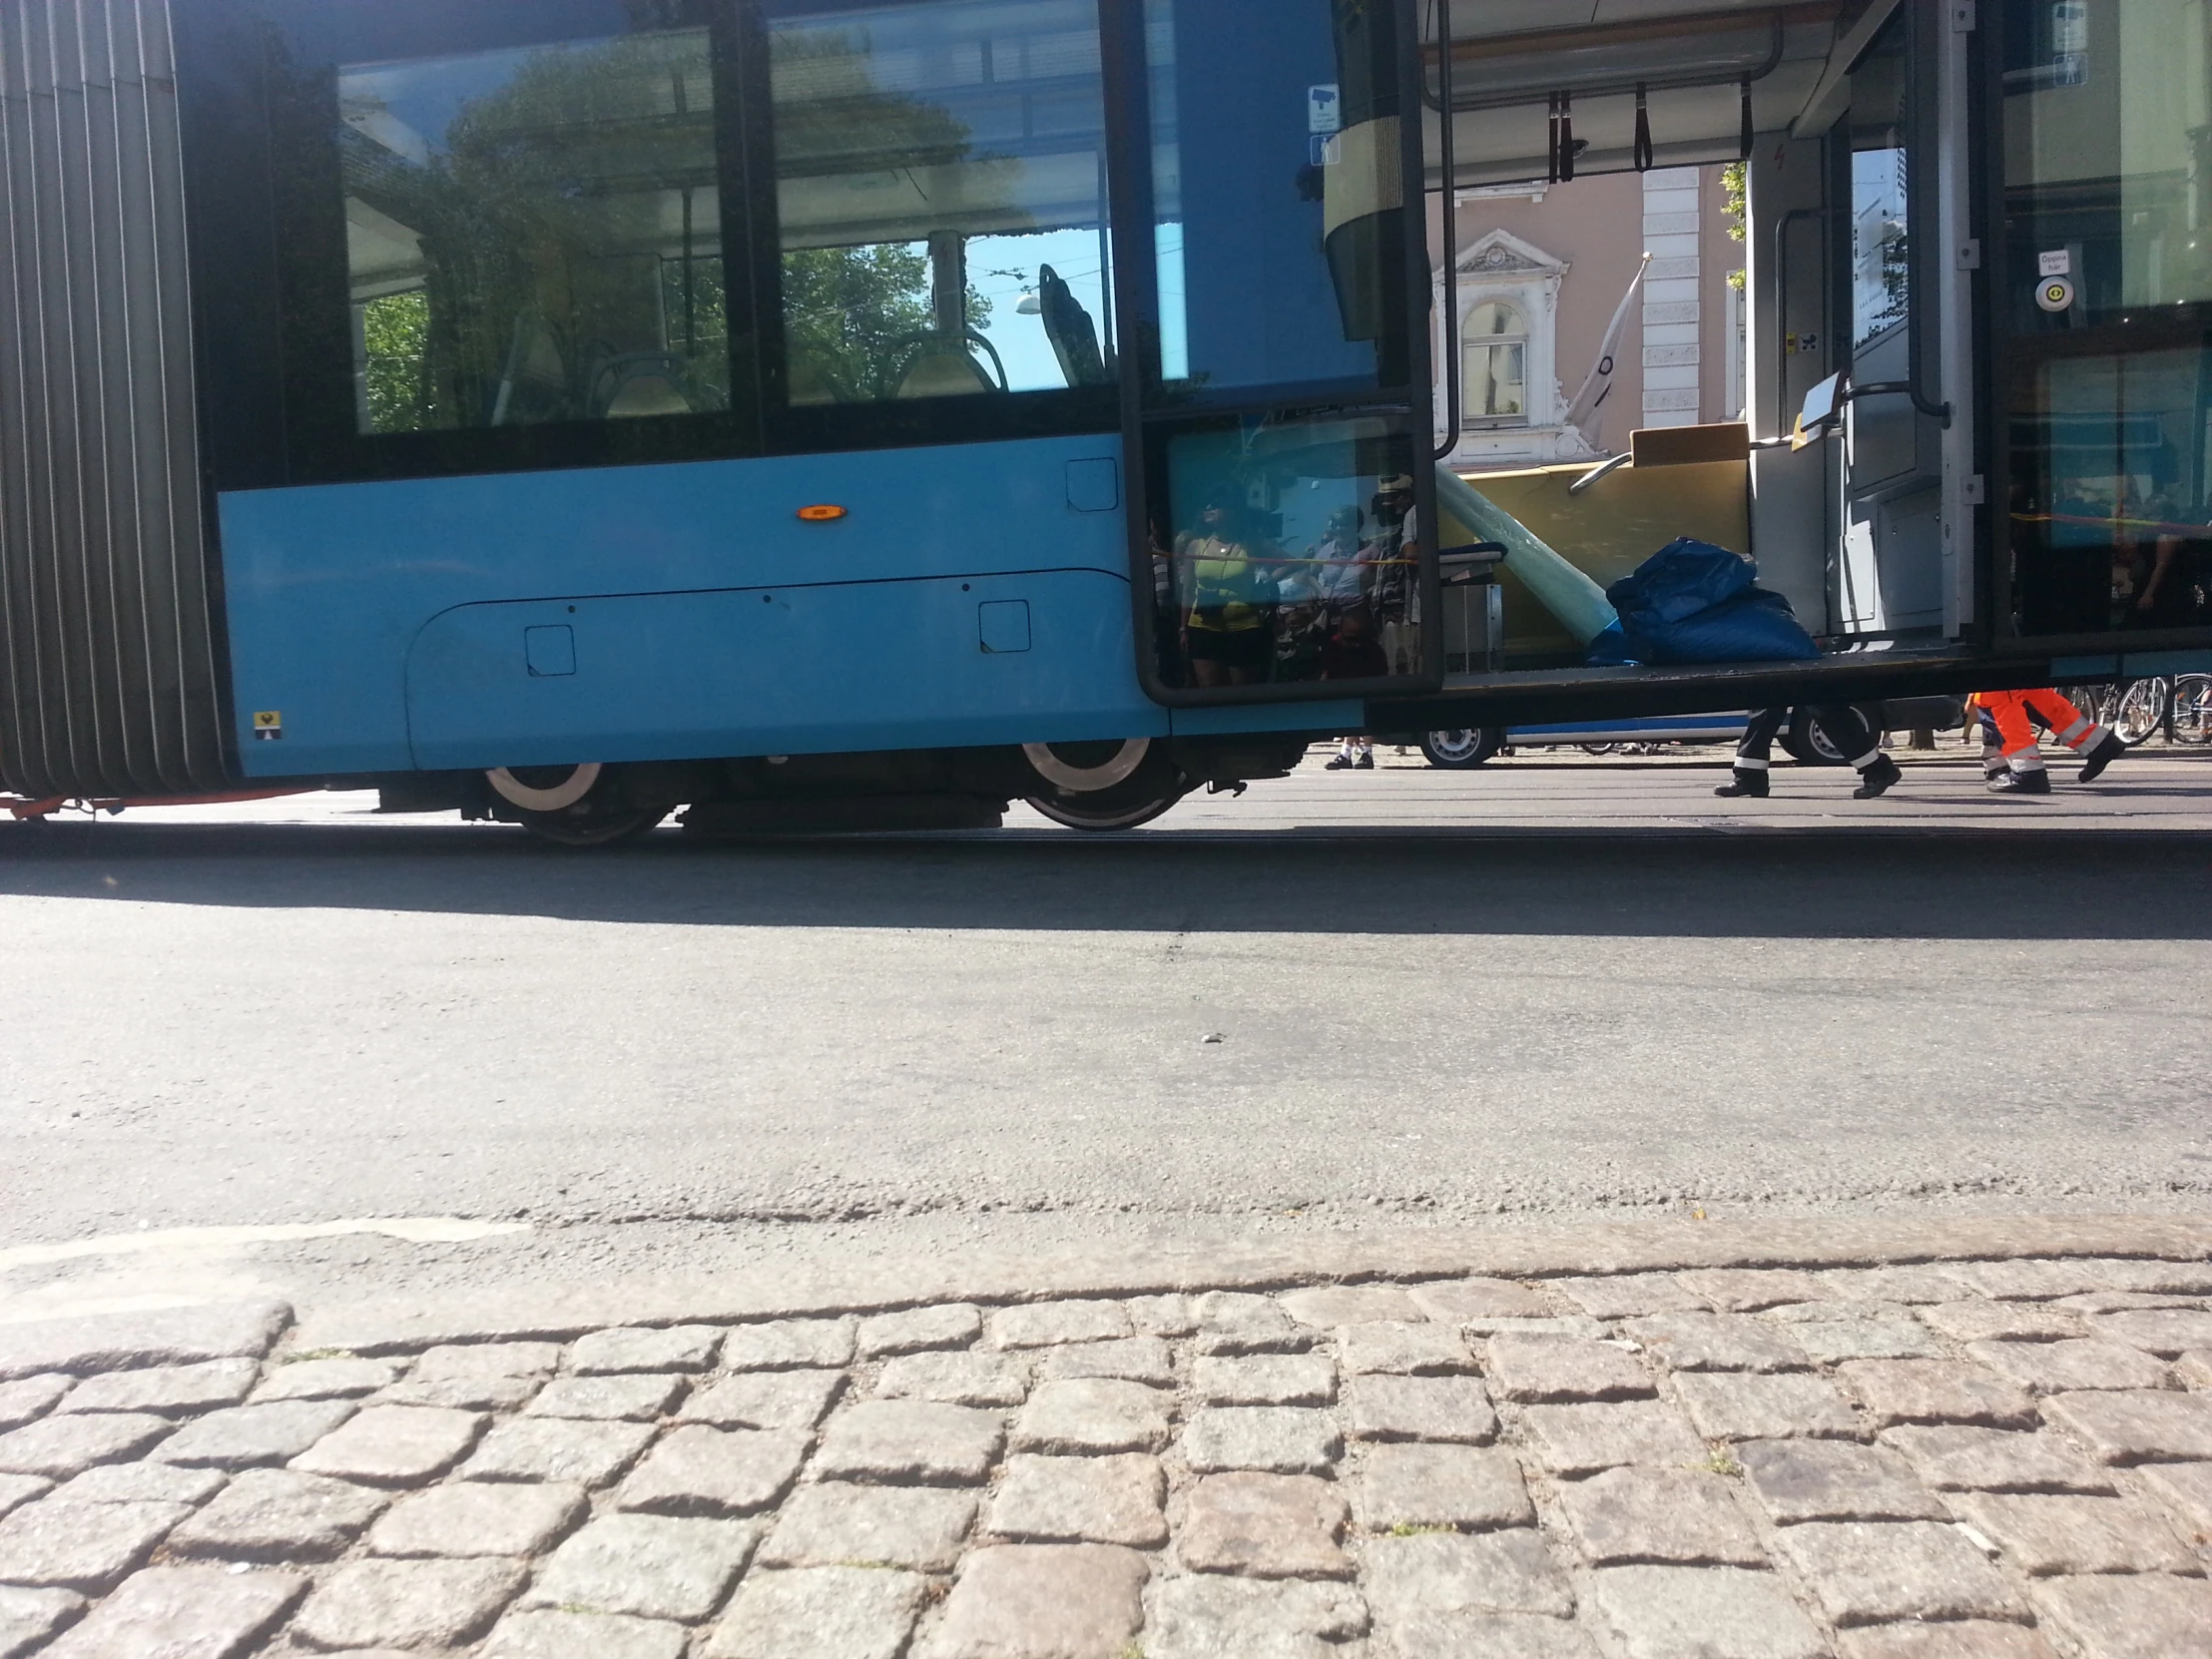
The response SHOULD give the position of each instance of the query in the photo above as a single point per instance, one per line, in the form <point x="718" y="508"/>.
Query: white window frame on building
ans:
<point x="1502" y="268"/>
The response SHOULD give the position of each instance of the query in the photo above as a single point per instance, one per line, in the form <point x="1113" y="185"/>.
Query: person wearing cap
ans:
<point x="1225" y="636"/>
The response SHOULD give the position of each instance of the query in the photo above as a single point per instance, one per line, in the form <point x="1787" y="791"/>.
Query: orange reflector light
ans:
<point x="822" y="515"/>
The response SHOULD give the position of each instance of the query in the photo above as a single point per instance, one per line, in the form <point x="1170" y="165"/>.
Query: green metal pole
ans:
<point x="1567" y="593"/>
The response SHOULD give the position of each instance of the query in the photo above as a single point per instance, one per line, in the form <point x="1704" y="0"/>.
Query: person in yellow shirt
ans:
<point x="1228" y="591"/>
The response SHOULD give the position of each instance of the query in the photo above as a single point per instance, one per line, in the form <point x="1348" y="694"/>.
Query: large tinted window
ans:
<point x="940" y="196"/>
<point x="534" y="233"/>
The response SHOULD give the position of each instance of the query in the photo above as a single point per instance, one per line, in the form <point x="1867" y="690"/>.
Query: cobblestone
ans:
<point x="1748" y="1290"/>
<point x="28" y="1616"/>
<point x="765" y="1400"/>
<point x="248" y="1437"/>
<point x="916" y="1527"/>
<point x="1128" y="1359"/>
<point x="18" y="1489"/>
<point x="1999" y="1322"/>
<point x="1935" y="1390"/>
<point x="1967" y="1639"/>
<point x="166" y="1389"/>
<point x="950" y="1324"/>
<point x="1921" y="1284"/>
<point x="682" y="1347"/>
<point x="1465" y="1487"/>
<point x="143" y="1484"/>
<point x="32" y="1398"/>
<point x="58" y="1447"/>
<point x="170" y="1336"/>
<point x="1279" y="1439"/>
<point x="452" y="1362"/>
<point x="2132" y="1428"/>
<point x="1871" y="1572"/>
<point x="393" y="1445"/>
<point x="649" y="1566"/>
<point x="1456" y="1301"/>
<point x="1092" y="1417"/>
<point x="1265" y="1379"/>
<point x="1099" y="1500"/>
<point x="643" y="1397"/>
<point x="1403" y="1349"/>
<point x="1833" y="1480"/>
<point x="325" y="1380"/>
<point x="961" y="1379"/>
<point x="905" y="1441"/>
<point x="1333" y="1306"/>
<point x="408" y="1604"/>
<point x="1433" y="1582"/>
<point x="1737" y="1405"/>
<point x="1717" y="1341"/>
<point x="1215" y="1617"/>
<point x="1673" y="1516"/>
<point x="790" y="1344"/>
<point x="1951" y="1458"/>
<point x="2186" y="1489"/>
<point x="2048" y="1535"/>
<point x="2171" y="1332"/>
<point x="472" y="1518"/>
<point x="182" y="1612"/>
<point x="1046" y="1323"/>
<point x="1163" y="1315"/>
<point x="550" y="1635"/>
<point x="1554" y="1369"/>
<point x="1441" y="1409"/>
<point x="57" y="1543"/>
<point x="1581" y="1440"/>
<point x="1042" y="1601"/>
<point x="1632" y="1296"/>
<point x="1265" y="1527"/>
<point x="2130" y="1616"/>
<point x="463" y="1394"/>
<point x="1833" y="1341"/>
<point x="711" y="1471"/>
<point x="2069" y="1367"/>
<point x="2195" y="1369"/>
<point x="1233" y="1322"/>
<point x="555" y="1448"/>
<point x="1701" y="1613"/>
<point x="280" y="1516"/>
<point x="851" y="1612"/>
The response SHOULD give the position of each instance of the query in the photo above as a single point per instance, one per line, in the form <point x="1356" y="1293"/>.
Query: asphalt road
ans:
<point x="1341" y="1000"/>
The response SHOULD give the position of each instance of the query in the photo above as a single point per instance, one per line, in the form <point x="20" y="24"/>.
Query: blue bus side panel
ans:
<point x="881" y="664"/>
<point x="339" y="598"/>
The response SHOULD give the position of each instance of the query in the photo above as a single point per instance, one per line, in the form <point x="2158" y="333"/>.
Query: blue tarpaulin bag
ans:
<point x="1692" y="602"/>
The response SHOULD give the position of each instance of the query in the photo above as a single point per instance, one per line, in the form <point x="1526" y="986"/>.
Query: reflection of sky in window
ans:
<point x="1879" y="222"/>
<point x="1175" y="323"/>
<point x="410" y="107"/>
<point x="1003" y="269"/>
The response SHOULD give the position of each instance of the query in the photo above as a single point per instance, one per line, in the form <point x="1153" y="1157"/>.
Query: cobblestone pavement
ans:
<point x="1986" y="1440"/>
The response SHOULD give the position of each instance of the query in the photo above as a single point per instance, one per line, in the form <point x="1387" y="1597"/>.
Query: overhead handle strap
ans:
<point x="1565" y="168"/>
<point x="1643" y="131"/>
<point x="1745" y="138"/>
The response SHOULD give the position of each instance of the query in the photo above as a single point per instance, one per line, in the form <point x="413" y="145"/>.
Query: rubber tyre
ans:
<point x="1155" y="787"/>
<point x="591" y="830"/>
<point x="2193" y="710"/>
<point x="1464" y="747"/>
<point x="1805" y="743"/>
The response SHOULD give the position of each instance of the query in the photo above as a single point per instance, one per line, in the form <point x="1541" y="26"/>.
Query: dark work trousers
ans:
<point x="1846" y="727"/>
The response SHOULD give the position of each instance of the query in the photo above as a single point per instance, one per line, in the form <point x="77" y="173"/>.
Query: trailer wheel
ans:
<point x="1104" y="786"/>
<point x="1807" y="743"/>
<point x="1464" y="747"/>
<point x="585" y="828"/>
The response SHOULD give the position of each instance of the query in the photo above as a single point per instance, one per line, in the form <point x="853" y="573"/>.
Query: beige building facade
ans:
<point x="1542" y="270"/>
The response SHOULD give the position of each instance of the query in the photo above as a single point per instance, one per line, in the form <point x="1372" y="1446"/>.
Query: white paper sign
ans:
<point x="1324" y="112"/>
<point x="2058" y="263"/>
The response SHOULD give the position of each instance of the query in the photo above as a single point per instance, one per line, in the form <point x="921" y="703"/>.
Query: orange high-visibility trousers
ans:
<point x="2009" y="709"/>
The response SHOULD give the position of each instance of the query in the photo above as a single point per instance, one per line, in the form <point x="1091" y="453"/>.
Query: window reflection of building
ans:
<point x="1496" y="339"/>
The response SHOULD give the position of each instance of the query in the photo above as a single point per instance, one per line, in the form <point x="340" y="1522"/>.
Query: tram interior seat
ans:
<point x="637" y="384"/>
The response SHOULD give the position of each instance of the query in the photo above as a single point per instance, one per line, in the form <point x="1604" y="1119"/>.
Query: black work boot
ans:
<point x="2102" y="754"/>
<point x="1877" y="779"/>
<point x="1750" y="784"/>
<point x="2020" y="782"/>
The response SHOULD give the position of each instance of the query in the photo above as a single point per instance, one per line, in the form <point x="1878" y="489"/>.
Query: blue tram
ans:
<point x="854" y="413"/>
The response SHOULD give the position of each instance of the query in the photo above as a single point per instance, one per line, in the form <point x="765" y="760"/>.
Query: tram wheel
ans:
<point x="1104" y="786"/>
<point x="589" y="829"/>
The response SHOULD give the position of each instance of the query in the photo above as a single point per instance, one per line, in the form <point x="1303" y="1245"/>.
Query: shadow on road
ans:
<point x="1857" y="883"/>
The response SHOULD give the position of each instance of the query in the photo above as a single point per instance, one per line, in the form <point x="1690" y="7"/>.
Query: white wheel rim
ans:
<point x="558" y="798"/>
<point x="1456" y="744"/>
<point x="1088" y="780"/>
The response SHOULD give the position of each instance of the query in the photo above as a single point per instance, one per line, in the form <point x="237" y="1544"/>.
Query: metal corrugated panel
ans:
<point x="108" y="655"/>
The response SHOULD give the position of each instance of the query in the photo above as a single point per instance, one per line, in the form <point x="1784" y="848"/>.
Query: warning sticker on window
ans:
<point x="269" y="724"/>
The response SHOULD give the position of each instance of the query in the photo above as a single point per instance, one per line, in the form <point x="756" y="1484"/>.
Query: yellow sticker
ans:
<point x="269" y="723"/>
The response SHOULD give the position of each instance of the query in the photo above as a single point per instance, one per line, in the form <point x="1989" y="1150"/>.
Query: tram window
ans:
<point x="534" y="234"/>
<point x="1285" y="555"/>
<point x="1496" y="379"/>
<point x="1276" y="186"/>
<point x="2108" y="284"/>
<point x="1881" y="201"/>
<point x="941" y="197"/>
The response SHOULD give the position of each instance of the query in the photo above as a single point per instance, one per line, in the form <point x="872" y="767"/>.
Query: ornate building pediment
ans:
<point x="1501" y="254"/>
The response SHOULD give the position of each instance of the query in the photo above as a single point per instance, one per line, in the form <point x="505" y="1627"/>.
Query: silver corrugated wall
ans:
<point x="108" y="679"/>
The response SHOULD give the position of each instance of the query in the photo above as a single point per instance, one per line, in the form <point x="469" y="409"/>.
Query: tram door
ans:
<point x="1899" y="164"/>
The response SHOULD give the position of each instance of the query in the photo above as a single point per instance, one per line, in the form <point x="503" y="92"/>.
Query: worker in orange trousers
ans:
<point x="2010" y="757"/>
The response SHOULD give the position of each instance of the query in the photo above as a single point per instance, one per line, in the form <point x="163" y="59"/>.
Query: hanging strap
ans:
<point x="1745" y="136"/>
<point x="1643" y="132"/>
<point x="1566" y="138"/>
<point x="1552" y="110"/>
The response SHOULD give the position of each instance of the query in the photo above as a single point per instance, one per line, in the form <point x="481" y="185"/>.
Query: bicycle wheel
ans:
<point x="2094" y="700"/>
<point x="2141" y="710"/>
<point x="2193" y="709"/>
